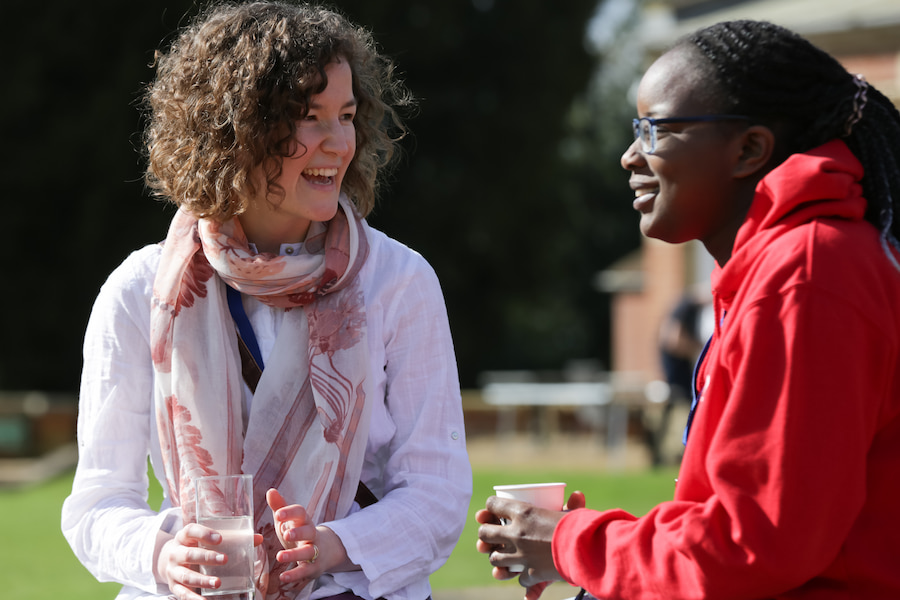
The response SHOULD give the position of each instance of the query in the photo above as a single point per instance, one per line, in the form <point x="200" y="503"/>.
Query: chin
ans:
<point x="327" y="215"/>
<point x="647" y="227"/>
<point x="323" y="211"/>
<point x="654" y="230"/>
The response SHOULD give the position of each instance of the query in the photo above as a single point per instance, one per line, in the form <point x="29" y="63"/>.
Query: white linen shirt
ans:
<point x="415" y="462"/>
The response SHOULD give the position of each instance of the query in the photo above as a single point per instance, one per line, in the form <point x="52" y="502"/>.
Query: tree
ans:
<point x="486" y="192"/>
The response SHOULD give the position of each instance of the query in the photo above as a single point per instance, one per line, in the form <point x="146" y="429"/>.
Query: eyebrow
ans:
<point x="349" y="104"/>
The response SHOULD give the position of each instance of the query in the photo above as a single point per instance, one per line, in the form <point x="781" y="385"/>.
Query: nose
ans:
<point x="633" y="158"/>
<point x="339" y="138"/>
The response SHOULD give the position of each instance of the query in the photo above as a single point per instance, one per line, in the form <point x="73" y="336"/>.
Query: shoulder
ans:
<point x="836" y="258"/>
<point x="132" y="280"/>
<point x="389" y="258"/>
<point x="834" y="252"/>
<point x="398" y="280"/>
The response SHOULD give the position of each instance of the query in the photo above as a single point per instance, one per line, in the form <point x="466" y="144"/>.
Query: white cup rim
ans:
<point x="523" y="486"/>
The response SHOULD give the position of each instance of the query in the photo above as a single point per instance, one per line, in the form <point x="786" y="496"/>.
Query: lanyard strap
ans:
<point x="247" y="345"/>
<point x="695" y="397"/>
<point x="245" y="330"/>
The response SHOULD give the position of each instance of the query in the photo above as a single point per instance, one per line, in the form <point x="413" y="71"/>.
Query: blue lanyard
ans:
<point x="245" y="330"/>
<point x="695" y="396"/>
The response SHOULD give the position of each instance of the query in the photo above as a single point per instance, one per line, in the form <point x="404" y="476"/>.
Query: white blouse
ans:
<point x="416" y="460"/>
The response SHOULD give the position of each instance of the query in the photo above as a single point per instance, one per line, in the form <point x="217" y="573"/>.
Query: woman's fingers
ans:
<point x="484" y="547"/>
<point x="291" y="522"/>
<point x="305" y="570"/>
<point x="293" y="532"/>
<point x="485" y="516"/>
<point x="194" y="534"/>
<point x="184" y="554"/>
<point x="534" y="592"/>
<point x="305" y="554"/>
<point x="492" y="536"/>
<point x="192" y="579"/>
<point x="275" y="499"/>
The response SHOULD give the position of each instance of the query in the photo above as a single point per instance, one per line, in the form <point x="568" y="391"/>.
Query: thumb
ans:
<point x="576" y="500"/>
<point x="534" y="591"/>
<point x="275" y="499"/>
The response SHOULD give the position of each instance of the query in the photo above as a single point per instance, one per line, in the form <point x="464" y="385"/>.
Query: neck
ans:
<point x="269" y="238"/>
<point x="721" y="245"/>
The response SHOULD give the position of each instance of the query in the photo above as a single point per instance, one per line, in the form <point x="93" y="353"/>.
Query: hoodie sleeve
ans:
<point x="775" y="471"/>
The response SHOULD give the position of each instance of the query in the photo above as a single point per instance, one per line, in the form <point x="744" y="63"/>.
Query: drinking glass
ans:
<point x="225" y="504"/>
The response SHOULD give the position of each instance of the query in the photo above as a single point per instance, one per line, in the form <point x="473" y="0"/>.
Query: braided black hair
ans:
<point x="782" y="80"/>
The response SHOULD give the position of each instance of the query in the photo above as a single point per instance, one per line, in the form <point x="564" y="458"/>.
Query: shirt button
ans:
<point x="289" y="250"/>
<point x="455" y="435"/>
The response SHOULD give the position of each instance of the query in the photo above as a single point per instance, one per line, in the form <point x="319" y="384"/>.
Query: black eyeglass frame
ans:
<point x="636" y="125"/>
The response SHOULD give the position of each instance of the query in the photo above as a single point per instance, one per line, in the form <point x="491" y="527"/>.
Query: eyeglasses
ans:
<point x="645" y="127"/>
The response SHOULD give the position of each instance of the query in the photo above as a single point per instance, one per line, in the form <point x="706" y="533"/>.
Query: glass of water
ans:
<point x="225" y="504"/>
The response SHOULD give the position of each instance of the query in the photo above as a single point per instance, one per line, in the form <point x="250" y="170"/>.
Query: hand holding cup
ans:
<point x="550" y="496"/>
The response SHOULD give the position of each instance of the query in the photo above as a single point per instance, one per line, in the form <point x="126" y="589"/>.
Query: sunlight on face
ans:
<point x="311" y="178"/>
<point x="684" y="190"/>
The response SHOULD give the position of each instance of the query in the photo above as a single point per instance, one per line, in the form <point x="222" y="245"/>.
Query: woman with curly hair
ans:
<point x="273" y="332"/>
<point x="787" y="168"/>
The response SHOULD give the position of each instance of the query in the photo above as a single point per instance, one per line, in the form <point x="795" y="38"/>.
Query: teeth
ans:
<point x="639" y="193"/>
<point x="320" y="172"/>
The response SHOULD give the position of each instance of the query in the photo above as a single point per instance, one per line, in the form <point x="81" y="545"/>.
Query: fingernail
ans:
<point x="213" y="582"/>
<point x="216" y="537"/>
<point x="220" y="558"/>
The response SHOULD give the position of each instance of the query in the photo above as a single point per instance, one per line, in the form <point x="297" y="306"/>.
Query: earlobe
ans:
<point x="757" y="146"/>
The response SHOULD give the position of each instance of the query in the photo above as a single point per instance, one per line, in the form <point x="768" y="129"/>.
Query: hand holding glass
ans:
<point x="225" y="504"/>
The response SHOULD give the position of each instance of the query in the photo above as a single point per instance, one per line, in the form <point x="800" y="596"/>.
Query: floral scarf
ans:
<point x="307" y="428"/>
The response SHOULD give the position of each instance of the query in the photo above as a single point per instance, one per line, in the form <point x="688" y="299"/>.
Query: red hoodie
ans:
<point x="790" y="482"/>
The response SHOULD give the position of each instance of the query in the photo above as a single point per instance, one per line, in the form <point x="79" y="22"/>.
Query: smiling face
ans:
<point x="687" y="190"/>
<point x="311" y="178"/>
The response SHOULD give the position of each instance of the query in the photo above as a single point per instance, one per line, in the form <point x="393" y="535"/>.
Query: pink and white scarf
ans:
<point x="308" y="424"/>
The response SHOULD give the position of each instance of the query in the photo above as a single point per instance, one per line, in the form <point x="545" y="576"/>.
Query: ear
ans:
<point x="757" y="143"/>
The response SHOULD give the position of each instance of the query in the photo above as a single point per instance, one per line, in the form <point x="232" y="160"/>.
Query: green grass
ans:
<point x="38" y="564"/>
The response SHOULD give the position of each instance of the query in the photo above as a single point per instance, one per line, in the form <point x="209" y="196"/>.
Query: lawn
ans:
<point x="38" y="564"/>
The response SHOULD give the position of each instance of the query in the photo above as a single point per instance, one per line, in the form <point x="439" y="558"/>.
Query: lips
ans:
<point x="643" y="195"/>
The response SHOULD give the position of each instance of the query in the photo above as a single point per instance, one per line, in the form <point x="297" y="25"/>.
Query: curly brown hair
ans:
<point x="229" y="92"/>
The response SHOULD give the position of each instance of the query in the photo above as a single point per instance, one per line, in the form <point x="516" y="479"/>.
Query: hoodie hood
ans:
<point x="821" y="183"/>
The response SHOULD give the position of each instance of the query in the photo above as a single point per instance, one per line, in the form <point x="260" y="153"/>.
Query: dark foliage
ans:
<point x="513" y="231"/>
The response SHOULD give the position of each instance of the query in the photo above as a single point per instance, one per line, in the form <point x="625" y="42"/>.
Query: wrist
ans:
<point x="332" y="552"/>
<point x="160" y="556"/>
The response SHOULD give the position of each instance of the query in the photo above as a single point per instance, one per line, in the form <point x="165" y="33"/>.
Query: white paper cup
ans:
<point x="551" y="496"/>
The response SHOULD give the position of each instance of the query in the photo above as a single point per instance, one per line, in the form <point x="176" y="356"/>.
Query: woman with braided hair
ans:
<point x="787" y="168"/>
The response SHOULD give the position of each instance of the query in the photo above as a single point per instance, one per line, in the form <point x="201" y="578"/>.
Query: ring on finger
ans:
<point x="315" y="554"/>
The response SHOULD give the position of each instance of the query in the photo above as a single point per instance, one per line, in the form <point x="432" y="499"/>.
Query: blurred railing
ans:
<point x="37" y="435"/>
<point x="609" y="404"/>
